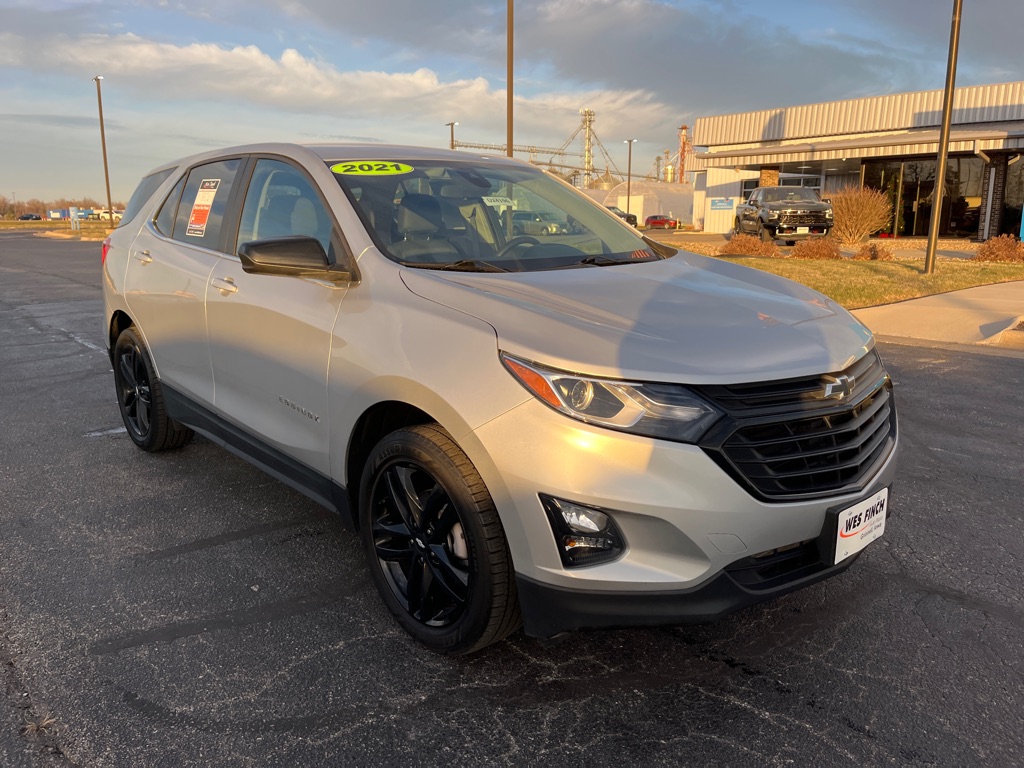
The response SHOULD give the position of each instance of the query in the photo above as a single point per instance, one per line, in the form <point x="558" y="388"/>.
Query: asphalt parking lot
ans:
<point x="185" y="609"/>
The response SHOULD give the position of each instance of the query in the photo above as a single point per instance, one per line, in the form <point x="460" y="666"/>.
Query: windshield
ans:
<point x="791" y="194"/>
<point x="484" y="215"/>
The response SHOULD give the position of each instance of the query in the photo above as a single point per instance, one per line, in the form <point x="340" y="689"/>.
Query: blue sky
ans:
<point x="182" y="77"/>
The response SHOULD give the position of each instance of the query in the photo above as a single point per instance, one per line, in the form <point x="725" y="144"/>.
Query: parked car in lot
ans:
<point x="659" y="221"/>
<point x="574" y="431"/>
<point x="30" y="217"/>
<point x="538" y="223"/>
<point x="629" y="218"/>
<point x="783" y="213"/>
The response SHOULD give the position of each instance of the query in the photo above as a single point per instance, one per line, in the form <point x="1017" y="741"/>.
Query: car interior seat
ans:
<point x="421" y="229"/>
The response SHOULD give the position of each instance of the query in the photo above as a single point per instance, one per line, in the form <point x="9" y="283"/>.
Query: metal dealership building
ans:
<point x="887" y="143"/>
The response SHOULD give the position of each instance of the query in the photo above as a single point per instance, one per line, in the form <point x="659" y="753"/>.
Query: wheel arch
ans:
<point x="375" y="423"/>
<point x="119" y="321"/>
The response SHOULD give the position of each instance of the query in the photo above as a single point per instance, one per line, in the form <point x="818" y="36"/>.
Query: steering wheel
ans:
<point x="515" y="242"/>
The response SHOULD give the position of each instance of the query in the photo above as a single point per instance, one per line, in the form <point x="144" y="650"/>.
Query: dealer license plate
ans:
<point x="861" y="524"/>
<point x="802" y="230"/>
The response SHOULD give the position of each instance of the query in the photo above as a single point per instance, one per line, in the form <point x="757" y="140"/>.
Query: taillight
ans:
<point x="103" y="251"/>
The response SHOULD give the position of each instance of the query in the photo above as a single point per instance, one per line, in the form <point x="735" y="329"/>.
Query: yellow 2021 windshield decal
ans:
<point x="371" y="168"/>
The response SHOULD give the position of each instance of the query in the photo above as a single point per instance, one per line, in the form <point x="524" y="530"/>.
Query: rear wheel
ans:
<point x="141" y="398"/>
<point x="736" y="226"/>
<point x="434" y="543"/>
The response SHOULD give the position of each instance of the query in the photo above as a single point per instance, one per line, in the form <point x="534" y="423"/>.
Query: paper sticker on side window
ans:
<point x="201" y="207"/>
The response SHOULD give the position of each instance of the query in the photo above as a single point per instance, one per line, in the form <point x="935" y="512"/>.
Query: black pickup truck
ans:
<point x="783" y="213"/>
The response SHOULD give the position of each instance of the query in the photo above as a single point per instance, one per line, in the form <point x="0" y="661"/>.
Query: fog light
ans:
<point x="584" y="535"/>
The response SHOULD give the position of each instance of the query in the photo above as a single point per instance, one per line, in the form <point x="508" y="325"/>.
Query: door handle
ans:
<point x="225" y="285"/>
<point x="143" y="257"/>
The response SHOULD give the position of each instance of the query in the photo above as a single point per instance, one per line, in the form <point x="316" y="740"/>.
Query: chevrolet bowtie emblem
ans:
<point x="838" y="387"/>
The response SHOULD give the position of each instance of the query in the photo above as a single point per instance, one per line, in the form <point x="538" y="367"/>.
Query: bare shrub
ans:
<point x="746" y="245"/>
<point x="1002" y="248"/>
<point x="874" y="252"/>
<point x="817" y="248"/>
<point x="859" y="212"/>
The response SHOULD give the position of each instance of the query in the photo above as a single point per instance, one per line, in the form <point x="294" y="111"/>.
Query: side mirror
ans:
<point x="295" y="256"/>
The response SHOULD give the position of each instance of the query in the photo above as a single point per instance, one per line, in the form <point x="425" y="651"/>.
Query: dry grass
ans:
<point x="856" y="284"/>
<point x="43" y="724"/>
<point x="747" y="245"/>
<point x="1004" y="248"/>
<point x="817" y="249"/>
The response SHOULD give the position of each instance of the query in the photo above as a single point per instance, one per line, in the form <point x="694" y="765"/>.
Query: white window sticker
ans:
<point x="201" y="207"/>
<point x="497" y="202"/>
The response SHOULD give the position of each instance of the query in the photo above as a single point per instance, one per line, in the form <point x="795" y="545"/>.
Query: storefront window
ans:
<point x="910" y="185"/>
<point x="1013" y="200"/>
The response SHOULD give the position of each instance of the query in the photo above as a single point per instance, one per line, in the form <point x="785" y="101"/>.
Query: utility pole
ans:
<point x="508" y="106"/>
<point x="629" y="170"/>
<point x="103" y="142"/>
<point x="940" y="163"/>
<point x="451" y="141"/>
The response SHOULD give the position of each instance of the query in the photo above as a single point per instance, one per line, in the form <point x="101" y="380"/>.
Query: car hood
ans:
<point x="688" y="319"/>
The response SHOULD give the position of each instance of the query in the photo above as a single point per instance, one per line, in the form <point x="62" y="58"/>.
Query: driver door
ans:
<point x="270" y="335"/>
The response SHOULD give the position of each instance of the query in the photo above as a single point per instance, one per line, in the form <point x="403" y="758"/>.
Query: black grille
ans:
<point x="804" y="393"/>
<point x="792" y="219"/>
<point x="784" y="440"/>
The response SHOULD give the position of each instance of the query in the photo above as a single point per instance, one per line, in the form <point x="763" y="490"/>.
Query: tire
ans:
<point x="141" y="398"/>
<point x="435" y="546"/>
<point x="517" y="230"/>
<point x="736" y="230"/>
<point x="764" y="233"/>
<point x="791" y="242"/>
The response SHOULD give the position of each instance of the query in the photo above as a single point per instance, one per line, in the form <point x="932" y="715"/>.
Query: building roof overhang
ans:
<point x="973" y="139"/>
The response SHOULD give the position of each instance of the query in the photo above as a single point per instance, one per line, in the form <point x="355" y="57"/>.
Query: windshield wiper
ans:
<point x="605" y="261"/>
<point x="465" y="265"/>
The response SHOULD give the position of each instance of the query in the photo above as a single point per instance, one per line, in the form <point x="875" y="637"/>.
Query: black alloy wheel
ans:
<point x="140" y="397"/>
<point x="435" y="546"/>
<point x="420" y="544"/>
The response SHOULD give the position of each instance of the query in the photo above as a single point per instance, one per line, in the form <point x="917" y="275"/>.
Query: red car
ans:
<point x="658" y="221"/>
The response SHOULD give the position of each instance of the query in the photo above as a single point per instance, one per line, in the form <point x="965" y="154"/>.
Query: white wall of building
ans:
<point x="723" y="191"/>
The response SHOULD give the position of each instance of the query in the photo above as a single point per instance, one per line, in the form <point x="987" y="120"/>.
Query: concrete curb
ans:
<point x="1011" y="337"/>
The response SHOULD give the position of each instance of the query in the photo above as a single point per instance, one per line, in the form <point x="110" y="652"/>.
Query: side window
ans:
<point x="203" y="203"/>
<point x="142" y="194"/>
<point x="281" y="201"/>
<point x="169" y="210"/>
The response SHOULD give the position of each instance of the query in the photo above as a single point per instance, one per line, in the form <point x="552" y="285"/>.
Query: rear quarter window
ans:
<point x="142" y="193"/>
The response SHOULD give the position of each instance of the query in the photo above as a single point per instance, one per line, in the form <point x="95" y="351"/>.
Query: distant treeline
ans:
<point x="12" y="209"/>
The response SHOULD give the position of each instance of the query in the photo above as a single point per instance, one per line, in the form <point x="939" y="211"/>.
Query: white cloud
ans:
<point x="206" y="72"/>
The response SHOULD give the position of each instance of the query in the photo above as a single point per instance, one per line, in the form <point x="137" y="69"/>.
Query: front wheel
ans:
<point x="141" y="398"/>
<point x="765" y="234"/>
<point x="434" y="543"/>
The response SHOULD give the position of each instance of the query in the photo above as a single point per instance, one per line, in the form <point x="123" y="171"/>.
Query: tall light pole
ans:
<point x="508" y="103"/>
<point x="940" y="163"/>
<point x="451" y="141"/>
<point x="629" y="170"/>
<point x="103" y="141"/>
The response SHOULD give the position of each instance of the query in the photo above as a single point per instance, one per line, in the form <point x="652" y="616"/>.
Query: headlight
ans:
<point x="773" y="214"/>
<point x="666" y="411"/>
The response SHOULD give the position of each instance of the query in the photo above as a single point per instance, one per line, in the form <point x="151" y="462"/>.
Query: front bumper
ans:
<point x="691" y="531"/>
<point x="549" y="611"/>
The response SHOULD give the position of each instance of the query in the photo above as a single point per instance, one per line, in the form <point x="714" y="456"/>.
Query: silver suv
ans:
<point x="585" y="430"/>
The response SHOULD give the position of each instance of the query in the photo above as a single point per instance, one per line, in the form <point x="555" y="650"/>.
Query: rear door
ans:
<point x="169" y="266"/>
